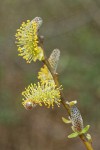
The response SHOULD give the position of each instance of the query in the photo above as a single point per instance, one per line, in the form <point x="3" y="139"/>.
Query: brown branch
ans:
<point x="55" y="77"/>
<point x="83" y="138"/>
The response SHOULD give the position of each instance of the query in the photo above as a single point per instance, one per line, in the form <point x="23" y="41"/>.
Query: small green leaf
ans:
<point x="73" y="128"/>
<point x="89" y="137"/>
<point x="72" y="103"/>
<point x="73" y="135"/>
<point x="85" y="129"/>
<point x="65" y="120"/>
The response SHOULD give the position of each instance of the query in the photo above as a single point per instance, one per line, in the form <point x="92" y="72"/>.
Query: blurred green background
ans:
<point x="74" y="28"/>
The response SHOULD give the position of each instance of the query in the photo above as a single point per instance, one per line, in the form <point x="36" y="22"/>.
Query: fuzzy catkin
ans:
<point x="76" y="119"/>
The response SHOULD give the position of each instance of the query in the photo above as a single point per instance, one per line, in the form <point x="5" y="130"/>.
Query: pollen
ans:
<point x="28" y="43"/>
<point x="42" y="94"/>
<point x="44" y="75"/>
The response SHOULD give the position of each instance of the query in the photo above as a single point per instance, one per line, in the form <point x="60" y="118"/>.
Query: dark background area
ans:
<point x="74" y="28"/>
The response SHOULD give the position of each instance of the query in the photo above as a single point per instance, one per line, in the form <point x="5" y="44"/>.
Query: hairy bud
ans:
<point x="29" y="105"/>
<point x="54" y="58"/>
<point x="76" y="119"/>
<point x="38" y="20"/>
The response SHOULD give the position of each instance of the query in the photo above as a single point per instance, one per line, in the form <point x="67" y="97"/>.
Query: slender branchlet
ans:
<point x="48" y="91"/>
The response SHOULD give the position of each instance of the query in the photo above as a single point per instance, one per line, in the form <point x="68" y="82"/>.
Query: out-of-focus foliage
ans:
<point x="74" y="28"/>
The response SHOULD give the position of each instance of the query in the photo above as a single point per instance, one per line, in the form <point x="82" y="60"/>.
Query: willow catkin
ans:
<point x="76" y="119"/>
